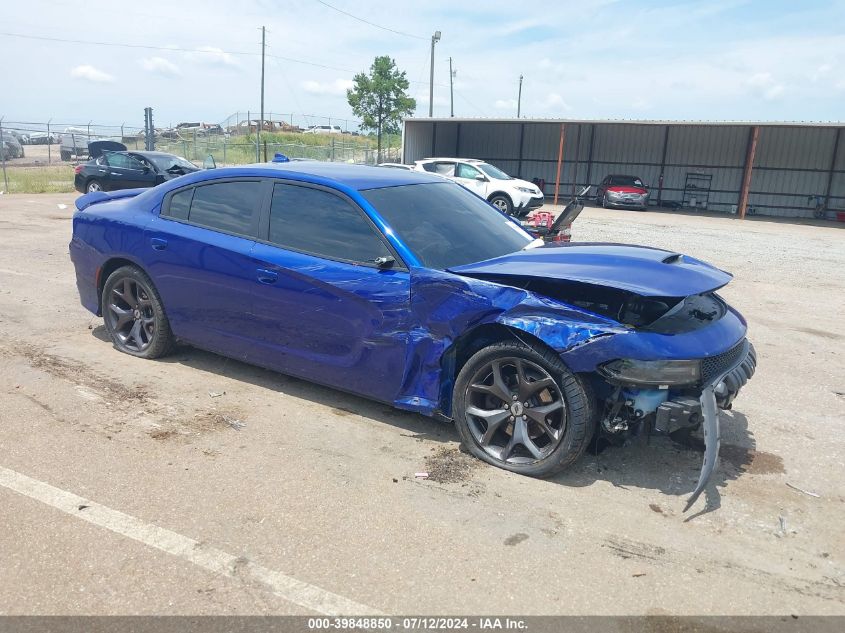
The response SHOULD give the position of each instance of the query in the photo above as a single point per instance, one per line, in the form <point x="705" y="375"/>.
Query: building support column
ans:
<point x="832" y="168"/>
<point x="753" y="135"/>
<point x="590" y="153"/>
<point x="662" y="167"/>
<point x="521" y="144"/>
<point x="433" y="139"/>
<point x="559" y="160"/>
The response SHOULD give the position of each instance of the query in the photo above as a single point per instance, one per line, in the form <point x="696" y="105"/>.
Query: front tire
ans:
<point x="521" y="409"/>
<point x="134" y="314"/>
<point x="502" y="203"/>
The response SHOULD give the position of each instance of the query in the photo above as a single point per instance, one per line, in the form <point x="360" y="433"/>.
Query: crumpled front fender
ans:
<point x="447" y="307"/>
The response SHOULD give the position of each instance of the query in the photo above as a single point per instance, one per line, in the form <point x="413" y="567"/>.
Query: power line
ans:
<point x="378" y="26"/>
<point x="172" y="49"/>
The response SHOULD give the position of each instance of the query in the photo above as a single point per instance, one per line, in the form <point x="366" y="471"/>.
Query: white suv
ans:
<point x="510" y="195"/>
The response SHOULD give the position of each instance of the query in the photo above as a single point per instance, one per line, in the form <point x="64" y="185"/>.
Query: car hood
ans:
<point x="627" y="189"/>
<point x="644" y="271"/>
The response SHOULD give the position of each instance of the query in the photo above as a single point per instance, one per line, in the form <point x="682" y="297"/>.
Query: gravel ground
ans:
<point x="314" y="485"/>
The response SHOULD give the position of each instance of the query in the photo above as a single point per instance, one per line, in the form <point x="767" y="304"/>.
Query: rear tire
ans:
<point x="134" y="314"/>
<point x="93" y="185"/>
<point x="540" y="422"/>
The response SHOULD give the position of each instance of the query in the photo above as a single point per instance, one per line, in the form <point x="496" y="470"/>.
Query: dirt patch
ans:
<point x="516" y="539"/>
<point x="820" y="333"/>
<point x="655" y="508"/>
<point x="447" y="466"/>
<point x="79" y="374"/>
<point x="750" y="461"/>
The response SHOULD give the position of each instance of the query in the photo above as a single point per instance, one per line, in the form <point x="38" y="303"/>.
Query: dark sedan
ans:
<point x="112" y="167"/>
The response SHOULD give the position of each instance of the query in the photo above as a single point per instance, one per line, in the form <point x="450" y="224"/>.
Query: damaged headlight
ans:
<point x="652" y="372"/>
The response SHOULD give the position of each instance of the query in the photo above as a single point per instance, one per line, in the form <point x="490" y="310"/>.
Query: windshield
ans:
<point x="168" y="161"/>
<point x="493" y="171"/>
<point x="625" y="181"/>
<point x="445" y="225"/>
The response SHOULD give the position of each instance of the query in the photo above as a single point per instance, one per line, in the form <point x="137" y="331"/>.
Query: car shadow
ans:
<point x="672" y="465"/>
<point x="655" y="462"/>
<point x="417" y="426"/>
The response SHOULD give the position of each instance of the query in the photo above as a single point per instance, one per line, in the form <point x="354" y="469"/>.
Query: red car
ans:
<point x="622" y="191"/>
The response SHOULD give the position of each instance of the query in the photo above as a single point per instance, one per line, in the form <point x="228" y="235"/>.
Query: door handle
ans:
<point x="114" y="173"/>
<point x="266" y="276"/>
<point x="158" y="244"/>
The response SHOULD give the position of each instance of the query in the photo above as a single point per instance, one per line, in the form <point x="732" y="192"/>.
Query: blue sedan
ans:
<point x="408" y="289"/>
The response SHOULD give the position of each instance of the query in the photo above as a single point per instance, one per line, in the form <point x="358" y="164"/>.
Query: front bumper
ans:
<point x="529" y="203"/>
<point x="719" y="392"/>
<point x="624" y="203"/>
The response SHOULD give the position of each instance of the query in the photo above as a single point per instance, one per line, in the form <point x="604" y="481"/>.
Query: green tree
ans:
<point x="380" y="98"/>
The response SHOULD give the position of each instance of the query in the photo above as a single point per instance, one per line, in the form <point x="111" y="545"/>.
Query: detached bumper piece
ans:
<point x="720" y="392"/>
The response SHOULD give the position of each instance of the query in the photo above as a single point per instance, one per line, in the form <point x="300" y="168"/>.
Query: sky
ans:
<point x="595" y="59"/>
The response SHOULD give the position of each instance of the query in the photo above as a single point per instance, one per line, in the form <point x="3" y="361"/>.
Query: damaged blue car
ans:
<point x="408" y="289"/>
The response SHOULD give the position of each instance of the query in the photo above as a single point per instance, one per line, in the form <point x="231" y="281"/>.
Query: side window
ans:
<point x="444" y="169"/>
<point x="320" y="223"/>
<point x="467" y="171"/>
<point x="226" y="206"/>
<point x="122" y="161"/>
<point x="180" y="204"/>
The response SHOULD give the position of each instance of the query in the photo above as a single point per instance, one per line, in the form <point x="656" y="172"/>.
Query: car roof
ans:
<point x="358" y="177"/>
<point x="476" y="161"/>
<point x="146" y="153"/>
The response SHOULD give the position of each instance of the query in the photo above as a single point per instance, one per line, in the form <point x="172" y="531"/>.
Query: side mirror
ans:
<point x="384" y="262"/>
<point x="209" y="163"/>
<point x="481" y="178"/>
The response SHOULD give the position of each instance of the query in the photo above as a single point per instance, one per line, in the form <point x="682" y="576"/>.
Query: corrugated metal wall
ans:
<point x="792" y="164"/>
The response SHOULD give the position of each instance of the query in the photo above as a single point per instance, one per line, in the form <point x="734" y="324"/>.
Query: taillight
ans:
<point x="77" y="169"/>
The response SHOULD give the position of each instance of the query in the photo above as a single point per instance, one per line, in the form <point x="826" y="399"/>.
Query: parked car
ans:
<point x="509" y="195"/>
<point x="622" y="191"/>
<point x="10" y="147"/>
<point x="112" y="167"/>
<point x="41" y="138"/>
<point x="74" y="143"/>
<point x="23" y="137"/>
<point x="324" y="129"/>
<point x="412" y="291"/>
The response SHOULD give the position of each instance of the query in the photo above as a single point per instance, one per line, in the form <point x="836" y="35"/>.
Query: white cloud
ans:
<point x="336" y="87"/>
<point x="505" y="104"/>
<point x="89" y="73"/>
<point x="160" y="66"/>
<point x="765" y="85"/>
<point x="212" y="56"/>
<point x="554" y="101"/>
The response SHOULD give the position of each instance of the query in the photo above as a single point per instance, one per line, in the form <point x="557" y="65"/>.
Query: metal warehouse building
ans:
<point x="776" y="169"/>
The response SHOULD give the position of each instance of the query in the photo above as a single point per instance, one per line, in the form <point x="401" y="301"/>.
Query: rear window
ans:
<point x="230" y="207"/>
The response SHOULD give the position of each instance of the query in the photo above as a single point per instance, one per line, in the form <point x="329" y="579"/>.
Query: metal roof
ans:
<point x="833" y="124"/>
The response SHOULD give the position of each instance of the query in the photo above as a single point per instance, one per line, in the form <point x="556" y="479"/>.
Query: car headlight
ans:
<point x="652" y="372"/>
<point x="614" y="194"/>
<point x="525" y="190"/>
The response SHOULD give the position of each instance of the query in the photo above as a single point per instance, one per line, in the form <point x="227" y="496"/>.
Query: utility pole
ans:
<point x="261" y="120"/>
<point x="434" y="39"/>
<point x="451" y="89"/>
<point x="519" y="99"/>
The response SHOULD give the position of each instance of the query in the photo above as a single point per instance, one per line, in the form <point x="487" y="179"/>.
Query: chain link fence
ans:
<point x="38" y="156"/>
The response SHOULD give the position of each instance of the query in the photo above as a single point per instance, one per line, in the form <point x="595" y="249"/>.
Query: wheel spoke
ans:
<point x="520" y="436"/>
<point x="134" y="335"/>
<point x="498" y="389"/>
<point x="539" y="415"/>
<point x="529" y="388"/>
<point x="494" y="419"/>
<point x="123" y="315"/>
